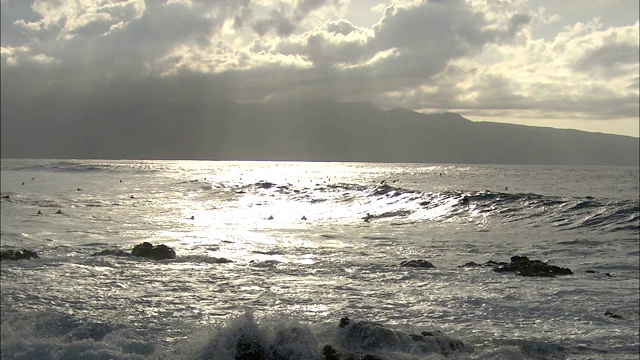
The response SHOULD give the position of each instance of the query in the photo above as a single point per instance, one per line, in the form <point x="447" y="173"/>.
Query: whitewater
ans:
<point x="270" y="256"/>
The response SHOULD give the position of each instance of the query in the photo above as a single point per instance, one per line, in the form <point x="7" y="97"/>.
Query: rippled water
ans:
<point x="288" y="274"/>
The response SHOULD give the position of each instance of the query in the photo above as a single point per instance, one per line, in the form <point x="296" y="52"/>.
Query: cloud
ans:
<point x="586" y="71"/>
<point x="473" y="56"/>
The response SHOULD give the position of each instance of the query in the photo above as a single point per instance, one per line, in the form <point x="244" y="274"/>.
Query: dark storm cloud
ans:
<point x="405" y="48"/>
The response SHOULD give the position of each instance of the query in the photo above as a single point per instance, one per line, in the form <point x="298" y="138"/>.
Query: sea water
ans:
<point x="274" y="254"/>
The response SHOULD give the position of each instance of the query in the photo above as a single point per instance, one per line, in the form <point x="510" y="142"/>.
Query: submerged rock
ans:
<point x="612" y="315"/>
<point x="488" y="263"/>
<point x="158" y="252"/>
<point x="417" y="263"/>
<point x="111" y="252"/>
<point x="15" y="255"/>
<point x="447" y="344"/>
<point x="597" y="272"/>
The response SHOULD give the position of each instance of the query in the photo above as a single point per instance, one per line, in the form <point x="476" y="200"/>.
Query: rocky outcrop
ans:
<point x="15" y="255"/>
<point x="145" y="250"/>
<point x="372" y="337"/>
<point x="523" y="266"/>
<point x="418" y="263"/>
<point x="149" y="251"/>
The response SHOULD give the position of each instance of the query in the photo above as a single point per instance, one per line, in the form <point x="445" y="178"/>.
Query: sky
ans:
<point x="564" y="64"/>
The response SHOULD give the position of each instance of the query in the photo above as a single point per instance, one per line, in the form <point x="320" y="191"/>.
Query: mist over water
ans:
<point x="279" y="252"/>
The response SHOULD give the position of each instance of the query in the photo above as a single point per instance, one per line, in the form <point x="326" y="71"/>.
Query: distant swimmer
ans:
<point x="39" y="212"/>
<point x="382" y="182"/>
<point x="120" y="180"/>
<point x="303" y="218"/>
<point x="59" y="212"/>
<point x="23" y="183"/>
<point x="270" y="217"/>
<point x="132" y="197"/>
<point x="78" y="189"/>
<point x="506" y="188"/>
<point x="192" y="217"/>
<point x="367" y="218"/>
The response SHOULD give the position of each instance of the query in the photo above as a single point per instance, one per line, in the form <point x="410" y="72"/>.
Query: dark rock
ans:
<point x="597" y="272"/>
<point x="17" y="255"/>
<point x="372" y="337"/>
<point x="488" y="263"/>
<point x="495" y="263"/>
<point x="369" y="357"/>
<point x="344" y="322"/>
<point x="418" y="263"/>
<point x="249" y="349"/>
<point x="612" y="315"/>
<point x="521" y="265"/>
<point x="264" y="184"/>
<point x="471" y="264"/>
<point x="159" y="252"/>
<point x="330" y="353"/>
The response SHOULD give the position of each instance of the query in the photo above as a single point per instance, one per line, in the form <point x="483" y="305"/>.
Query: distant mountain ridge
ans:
<point x="306" y="131"/>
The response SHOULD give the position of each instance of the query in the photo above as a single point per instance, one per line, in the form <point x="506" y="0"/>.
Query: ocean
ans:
<point x="303" y="260"/>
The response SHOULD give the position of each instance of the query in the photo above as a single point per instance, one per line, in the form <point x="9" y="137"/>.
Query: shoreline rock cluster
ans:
<point x="523" y="266"/>
<point x="519" y="265"/>
<point x="145" y="250"/>
<point x="15" y="255"/>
